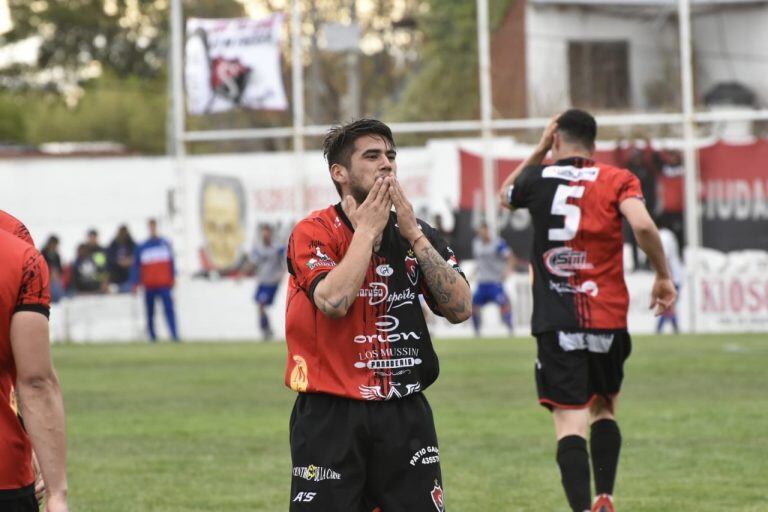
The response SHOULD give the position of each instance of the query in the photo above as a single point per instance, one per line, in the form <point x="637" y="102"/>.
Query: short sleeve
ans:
<point x="628" y="187"/>
<point x="442" y="247"/>
<point x="311" y="253"/>
<point x="34" y="292"/>
<point x="518" y="194"/>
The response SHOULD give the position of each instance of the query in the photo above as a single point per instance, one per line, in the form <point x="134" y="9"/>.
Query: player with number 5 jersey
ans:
<point x="580" y="299"/>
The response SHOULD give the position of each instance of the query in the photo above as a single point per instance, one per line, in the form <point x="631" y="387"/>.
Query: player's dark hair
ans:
<point x="577" y="127"/>
<point x="339" y="142"/>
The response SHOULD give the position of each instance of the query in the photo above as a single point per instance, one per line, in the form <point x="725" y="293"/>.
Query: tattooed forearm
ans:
<point x="333" y="307"/>
<point x="448" y="288"/>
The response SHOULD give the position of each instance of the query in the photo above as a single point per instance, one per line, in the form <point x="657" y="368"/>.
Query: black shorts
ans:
<point x="353" y="456"/>
<point x="19" y="500"/>
<point x="572" y="369"/>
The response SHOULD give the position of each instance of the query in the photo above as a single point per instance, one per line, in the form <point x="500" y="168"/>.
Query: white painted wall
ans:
<point x="550" y="28"/>
<point x="731" y="44"/>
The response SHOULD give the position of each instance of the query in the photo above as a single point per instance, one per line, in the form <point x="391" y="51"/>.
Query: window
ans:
<point x="599" y="74"/>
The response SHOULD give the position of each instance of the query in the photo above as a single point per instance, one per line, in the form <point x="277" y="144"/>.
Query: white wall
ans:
<point x="731" y="44"/>
<point x="550" y="28"/>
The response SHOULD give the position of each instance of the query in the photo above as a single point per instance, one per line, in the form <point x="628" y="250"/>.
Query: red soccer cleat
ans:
<point x="603" y="503"/>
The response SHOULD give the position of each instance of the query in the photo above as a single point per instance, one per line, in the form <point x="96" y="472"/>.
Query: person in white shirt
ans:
<point x="672" y="252"/>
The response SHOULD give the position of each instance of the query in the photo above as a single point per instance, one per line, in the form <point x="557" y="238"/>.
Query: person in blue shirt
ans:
<point x="268" y="257"/>
<point x="154" y="269"/>
<point x="493" y="261"/>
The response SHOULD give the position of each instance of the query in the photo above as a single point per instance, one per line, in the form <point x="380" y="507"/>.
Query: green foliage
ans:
<point x="13" y="124"/>
<point x="129" y="110"/>
<point x="204" y="427"/>
<point x="446" y="86"/>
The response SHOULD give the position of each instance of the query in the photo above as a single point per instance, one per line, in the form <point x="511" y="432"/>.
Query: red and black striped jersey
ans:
<point x="381" y="349"/>
<point x="23" y="287"/>
<point x="15" y="227"/>
<point x="578" y="267"/>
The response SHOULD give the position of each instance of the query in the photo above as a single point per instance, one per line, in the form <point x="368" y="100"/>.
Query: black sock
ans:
<point x="573" y="460"/>
<point x="605" y="445"/>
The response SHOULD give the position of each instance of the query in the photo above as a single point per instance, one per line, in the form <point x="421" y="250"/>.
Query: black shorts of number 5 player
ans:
<point x="580" y="299"/>
<point x="359" y="353"/>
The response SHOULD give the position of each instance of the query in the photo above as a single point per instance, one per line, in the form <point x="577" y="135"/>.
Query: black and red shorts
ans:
<point x="354" y="456"/>
<point x="574" y="368"/>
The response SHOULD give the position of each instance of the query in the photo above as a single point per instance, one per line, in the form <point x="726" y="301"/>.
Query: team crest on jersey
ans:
<point x="437" y="497"/>
<point x="412" y="267"/>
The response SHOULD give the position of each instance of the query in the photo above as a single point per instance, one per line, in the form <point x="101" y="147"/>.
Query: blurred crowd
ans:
<point x="94" y="268"/>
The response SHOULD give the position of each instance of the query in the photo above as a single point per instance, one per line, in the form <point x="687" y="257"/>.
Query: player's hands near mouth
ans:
<point x="406" y="219"/>
<point x="372" y="215"/>
<point x="663" y="295"/>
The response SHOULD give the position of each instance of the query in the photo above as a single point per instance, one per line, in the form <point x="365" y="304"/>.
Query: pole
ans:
<point x="692" y="220"/>
<point x="297" y="74"/>
<point x="181" y="224"/>
<point x="353" y="71"/>
<point x="489" y="171"/>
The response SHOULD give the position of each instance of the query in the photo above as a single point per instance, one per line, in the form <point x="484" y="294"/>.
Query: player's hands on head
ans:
<point x="406" y="218"/>
<point x="548" y="137"/>
<point x="371" y="217"/>
<point x="663" y="295"/>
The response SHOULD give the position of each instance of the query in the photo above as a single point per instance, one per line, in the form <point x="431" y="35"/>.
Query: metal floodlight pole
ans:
<point x="181" y="222"/>
<point x="297" y="74"/>
<point x="484" y="68"/>
<point x="692" y="220"/>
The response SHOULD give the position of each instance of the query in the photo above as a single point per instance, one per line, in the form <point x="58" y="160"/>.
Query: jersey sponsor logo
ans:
<point x="412" y="267"/>
<point x="314" y="473"/>
<point x="299" y="374"/>
<point x="384" y="270"/>
<point x="437" y="497"/>
<point x="389" y="364"/>
<point x="375" y="393"/>
<point x="386" y="324"/>
<point x="304" y="497"/>
<point x="587" y="287"/>
<point x="563" y="261"/>
<point x="571" y="173"/>
<point x="386" y="337"/>
<point x="398" y="360"/>
<point x="321" y="261"/>
<point x="426" y="455"/>
<point x="376" y="293"/>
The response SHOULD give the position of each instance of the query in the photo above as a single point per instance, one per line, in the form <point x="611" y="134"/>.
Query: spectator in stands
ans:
<point x="645" y="163"/>
<point x="153" y="268"/>
<point x="444" y="232"/>
<point x="98" y="255"/>
<point x="120" y="259"/>
<point x="50" y="252"/>
<point x="268" y="256"/>
<point x="86" y="277"/>
<point x="493" y="263"/>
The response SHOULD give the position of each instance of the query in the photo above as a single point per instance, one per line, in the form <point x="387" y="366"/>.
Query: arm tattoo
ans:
<point x="327" y="306"/>
<point x="441" y="280"/>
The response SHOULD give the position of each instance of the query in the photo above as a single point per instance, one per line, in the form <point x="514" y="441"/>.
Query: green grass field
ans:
<point x="204" y="427"/>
